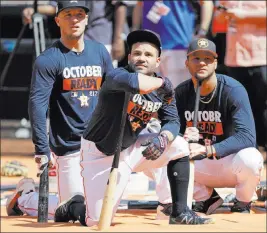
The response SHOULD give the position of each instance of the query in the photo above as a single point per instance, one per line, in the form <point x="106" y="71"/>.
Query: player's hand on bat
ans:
<point x="191" y="134"/>
<point x="42" y="162"/>
<point x="155" y="147"/>
<point x="197" y="151"/>
<point x="166" y="90"/>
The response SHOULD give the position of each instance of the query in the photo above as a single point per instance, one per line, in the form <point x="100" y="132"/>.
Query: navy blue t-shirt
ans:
<point x="226" y="122"/>
<point x="69" y="83"/>
<point x="104" y="126"/>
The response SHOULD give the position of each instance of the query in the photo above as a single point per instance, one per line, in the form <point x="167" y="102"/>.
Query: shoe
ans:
<point x="241" y="207"/>
<point x="210" y="205"/>
<point x="25" y="186"/>
<point x="164" y="211"/>
<point x="62" y="213"/>
<point x="189" y="217"/>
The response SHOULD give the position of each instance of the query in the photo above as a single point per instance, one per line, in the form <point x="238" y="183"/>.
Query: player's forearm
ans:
<point x="37" y="115"/>
<point x="122" y="80"/>
<point x="206" y="15"/>
<point x="234" y="144"/>
<point x="148" y="84"/>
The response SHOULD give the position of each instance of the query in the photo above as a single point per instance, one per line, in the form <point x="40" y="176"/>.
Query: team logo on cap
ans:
<point x="203" y="43"/>
<point x="74" y="1"/>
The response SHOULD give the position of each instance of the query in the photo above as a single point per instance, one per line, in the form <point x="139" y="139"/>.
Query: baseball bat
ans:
<point x="192" y="165"/>
<point x="108" y="201"/>
<point x="149" y="205"/>
<point x="43" y="196"/>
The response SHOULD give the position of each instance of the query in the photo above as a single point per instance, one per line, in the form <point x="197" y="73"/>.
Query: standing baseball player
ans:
<point x="225" y="135"/>
<point x="66" y="77"/>
<point x="150" y="94"/>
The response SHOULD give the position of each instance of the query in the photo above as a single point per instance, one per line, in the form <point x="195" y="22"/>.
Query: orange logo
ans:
<point x="76" y="84"/>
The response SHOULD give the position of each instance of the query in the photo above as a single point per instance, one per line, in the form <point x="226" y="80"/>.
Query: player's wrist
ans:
<point x="165" y="138"/>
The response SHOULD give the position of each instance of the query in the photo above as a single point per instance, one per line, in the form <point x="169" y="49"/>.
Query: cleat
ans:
<point x="189" y="217"/>
<point x="241" y="207"/>
<point x="25" y="186"/>
<point x="210" y="205"/>
<point x="62" y="213"/>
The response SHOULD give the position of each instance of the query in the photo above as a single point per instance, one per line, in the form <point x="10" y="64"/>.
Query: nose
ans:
<point x="74" y="18"/>
<point x="141" y="57"/>
<point x="202" y="62"/>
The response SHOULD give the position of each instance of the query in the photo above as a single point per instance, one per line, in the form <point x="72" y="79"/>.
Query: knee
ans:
<point x="248" y="161"/>
<point x="180" y="144"/>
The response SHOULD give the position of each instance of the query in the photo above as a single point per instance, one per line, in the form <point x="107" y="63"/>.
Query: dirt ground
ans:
<point x="125" y="220"/>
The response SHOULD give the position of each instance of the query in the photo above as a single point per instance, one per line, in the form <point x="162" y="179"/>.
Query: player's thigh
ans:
<point x="135" y="159"/>
<point x="95" y="172"/>
<point x="69" y="175"/>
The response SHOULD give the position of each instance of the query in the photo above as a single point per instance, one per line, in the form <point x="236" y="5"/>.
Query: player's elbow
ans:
<point x="250" y="139"/>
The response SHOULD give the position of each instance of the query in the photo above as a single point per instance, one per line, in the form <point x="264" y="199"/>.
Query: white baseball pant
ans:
<point x="69" y="181"/>
<point x="96" y="169"/>
<point x="241" y="171"/>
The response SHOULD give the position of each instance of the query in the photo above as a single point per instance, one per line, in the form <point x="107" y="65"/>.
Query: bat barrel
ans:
<point x="43" y="197"/>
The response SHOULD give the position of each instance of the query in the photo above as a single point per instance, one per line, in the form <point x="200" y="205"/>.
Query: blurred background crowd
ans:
<point x="238" y="28"/>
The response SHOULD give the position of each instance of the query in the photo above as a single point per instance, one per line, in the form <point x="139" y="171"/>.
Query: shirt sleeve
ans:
<point x="244" y="127"/>
<point x="169" y="118"/>
<point x="107" y="63"/>
<point x="121" y="80"/>
<point x="43" y="78"/>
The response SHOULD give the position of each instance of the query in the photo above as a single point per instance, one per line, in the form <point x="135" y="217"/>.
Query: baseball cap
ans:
<point x="62" y="5"/>
<point x="202" y="44"/>
<point x="144" y="36"/>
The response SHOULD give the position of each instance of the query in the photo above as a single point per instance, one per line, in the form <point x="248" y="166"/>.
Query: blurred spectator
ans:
<point x="246" y="55"/>
<point x="176" y="23"/>
<point x="105" y="25"/>
<point x="218" y="36"/>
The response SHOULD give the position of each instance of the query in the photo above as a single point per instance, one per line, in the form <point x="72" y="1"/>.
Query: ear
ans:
<point x="57" y="21"/>
<point x="87" y="17"/>
<point x="186" y="63"/>
<point x="216" y="64"/>
<point x="129" y="57"/>
<point x="158" y="62"/>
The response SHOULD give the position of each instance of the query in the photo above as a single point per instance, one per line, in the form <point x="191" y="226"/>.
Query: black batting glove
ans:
<point x="155" y="147"/>
<point x="166" y="90"/>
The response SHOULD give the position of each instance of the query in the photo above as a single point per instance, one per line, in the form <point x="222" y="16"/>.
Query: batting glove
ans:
<point x="155" y="147"/>
<point x="166" y="90"/>
<point x="43" y="162"/>
<point x="191" y="134"/>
